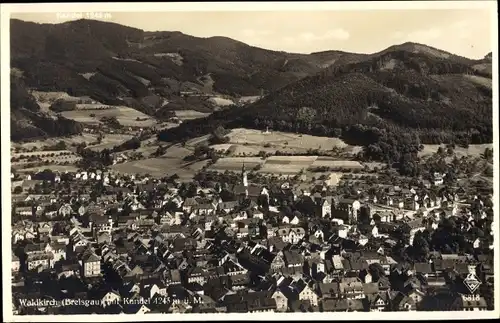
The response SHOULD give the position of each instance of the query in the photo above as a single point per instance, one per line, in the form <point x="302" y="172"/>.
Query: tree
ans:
<point x="61" y="145"/>
<point x="420" y="247"/>
<point x="488" y="154"/>
<point x="376" y="270"/>
<point x="18" y="190"/>
<point x="488" y="171"/>
<point x="219" y="136"/>
<point x="201" y="150"/>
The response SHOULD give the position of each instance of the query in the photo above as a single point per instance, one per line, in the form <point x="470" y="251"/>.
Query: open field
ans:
<point x="198" y="140"/>
<point x="189" y="114"/>
<point x="480" y="80"/>
<point x="250" y="136"/>
<point x="125" y="116"/>
<point x="284" y="168"/>
<point x="221" y="101"/>
<point x="250" y="142"/>
<point x="289" y="165"/>
<point x="332" y="163"/>
<point x="473" y="150"/>
<point x="168" y="164"/>
<point x="248" y="99"/>
<point x="109" y="141"/>
<point x="92" y="106"/>
<point x="236" y="163"/>
<point x="222" y="148"/>
<point x="159" y="167"/>
<point x="177" y="152"/>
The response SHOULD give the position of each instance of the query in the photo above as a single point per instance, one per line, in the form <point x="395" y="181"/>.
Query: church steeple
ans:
<point x="244" y="179"/>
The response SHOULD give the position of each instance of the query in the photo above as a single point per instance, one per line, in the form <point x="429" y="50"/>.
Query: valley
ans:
<point x="157" y="90"/>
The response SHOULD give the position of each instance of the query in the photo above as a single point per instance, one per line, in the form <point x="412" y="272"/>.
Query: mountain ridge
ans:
<point x="129" y="66"/>
<point x="386" y="102"/>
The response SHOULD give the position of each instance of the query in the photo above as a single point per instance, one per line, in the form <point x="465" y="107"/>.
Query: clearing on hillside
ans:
<point x="189" y="114"/>
<point x="251" y="136"/>
<point x="126" y="116"/>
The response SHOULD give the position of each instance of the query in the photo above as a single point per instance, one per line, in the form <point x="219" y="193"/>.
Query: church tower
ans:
<point x="244" y="179"/>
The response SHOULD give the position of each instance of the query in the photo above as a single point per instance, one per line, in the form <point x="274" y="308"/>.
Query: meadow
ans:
<point x="126" y="116"/>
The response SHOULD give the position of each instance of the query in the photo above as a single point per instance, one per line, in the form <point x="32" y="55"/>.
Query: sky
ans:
<point x="465" y="32"/>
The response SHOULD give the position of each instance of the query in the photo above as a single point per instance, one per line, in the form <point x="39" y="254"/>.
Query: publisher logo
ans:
<point x="472" y="282"/>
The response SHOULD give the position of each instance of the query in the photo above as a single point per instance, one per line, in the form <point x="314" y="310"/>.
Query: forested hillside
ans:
<point x="386" y="102"/>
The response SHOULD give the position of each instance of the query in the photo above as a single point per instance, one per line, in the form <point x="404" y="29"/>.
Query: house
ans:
<point x="377" y="302"/>
<point x="306" y="293"/>
<point x="24" y="210"/>
<point x="57" y="249"/>
<point x="293" y="259"/>
<point x="281" y="300"/>
<point x="34" y="248"/>
<point x="68" y="268"/>
<point x="204" y="209"/>
<point x="422" y="268"/>
<point x="402" y="302"/>
<point x="65" y="210"/>
<point x="188" y="204"/>
<point x="16" y="264"/>
<point x="229" y="206"/>
<point x="172" y="277"/>
<point x="326" y="208"/>
<point x="341" y="305"/>
<point x="333" y="179"/>
<point x="278" y="262"/>
<point x="101" y="223"/>
<point x="329" y="290"/>
<point x="39" y="261"/>
<point x="239" y="281"/>
<point x="291" y="235"/>
<point x="438" y="179"/>
<point x="196" y="275"/>
<point x="417" y="295"/>
<point x="350" y="207"/>
<point x="90" y="264"/>
<point x="110" y="298"/>
<point x="351" y="288"/>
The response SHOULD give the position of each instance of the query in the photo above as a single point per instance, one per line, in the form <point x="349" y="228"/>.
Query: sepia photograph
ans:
<point x="227" y="161"/>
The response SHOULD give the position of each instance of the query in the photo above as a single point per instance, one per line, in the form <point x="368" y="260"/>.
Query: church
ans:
<point x="244" y="191"/>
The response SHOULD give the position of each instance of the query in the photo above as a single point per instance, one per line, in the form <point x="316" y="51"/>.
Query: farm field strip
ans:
<point x="189" y="114"/>
<point x="337" y="163"/>
<point x="42" y="153"/>
<point x="240" y="160"/>
<point x="281" y="164"/>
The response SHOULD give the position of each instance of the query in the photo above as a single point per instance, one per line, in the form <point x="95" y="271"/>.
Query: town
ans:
<point x="96" y="241"/>
<point x="262" y="162"/>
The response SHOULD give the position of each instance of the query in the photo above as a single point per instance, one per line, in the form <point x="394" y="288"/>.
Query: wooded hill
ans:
<point x="376" y="101"/>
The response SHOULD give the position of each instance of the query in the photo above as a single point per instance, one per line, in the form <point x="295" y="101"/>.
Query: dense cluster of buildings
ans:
<point x="98" y="242"/>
